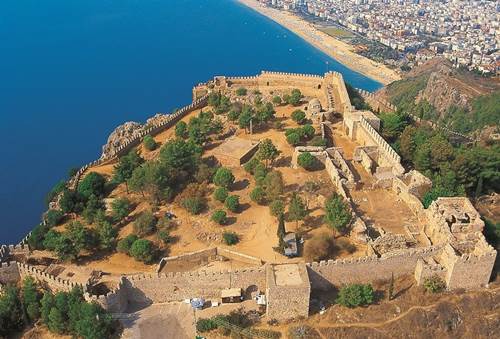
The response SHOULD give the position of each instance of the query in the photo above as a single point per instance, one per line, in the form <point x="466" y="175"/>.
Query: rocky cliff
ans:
<point x="128" y="130"/>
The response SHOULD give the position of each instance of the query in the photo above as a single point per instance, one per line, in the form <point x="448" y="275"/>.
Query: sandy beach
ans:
<point x="339" y="50"/>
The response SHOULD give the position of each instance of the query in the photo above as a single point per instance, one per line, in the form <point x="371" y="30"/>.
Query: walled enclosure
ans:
<point x="458" y="252"/>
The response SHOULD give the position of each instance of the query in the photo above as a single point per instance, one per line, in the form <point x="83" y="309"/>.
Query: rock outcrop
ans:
<point x="119" y="136"/>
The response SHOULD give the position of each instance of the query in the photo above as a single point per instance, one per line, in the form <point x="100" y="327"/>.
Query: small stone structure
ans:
<point x="313" y="111"/>
<point x="236" y="151"/>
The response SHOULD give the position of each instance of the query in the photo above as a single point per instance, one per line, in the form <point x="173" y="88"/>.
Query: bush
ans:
<point x="181" y="130"/>
<point x="318" y="141"/>
<point x="355" y="295"/>
<point x="230" y="238"/>
<point x="308" y="131"/>
<point x="54" y="218"/>
<point x="302" y="332"/>
<point x="92" y="184"/>
<point x="219" y="216"/>
<point x="233" y="115"/>
<point x="319" y="247"/>
<point x="232" y="203"/>
<point x="294" y="97"/>
<point x="142" y="250"/>
<point x="205" y="325"/>
<point x="125" y="244"/>
<point x="293" y="139"/>
<point x="220" y="194"/>
<point x="307" y="161"/>
<point x="164" y="236"/>
<point x="149" y="143"/>
<point x="277" y="208"/>
<point x="121" y="208"/>
<point x="194" y="205"/>
<point x="223" y="177"/>
<point x="260" y="173"/>
<point x="242" y="91"/>
<point x="298" y="116"/>
<point x="258" y="195"/>
<point x="250" y="165"/>
<point x="145" y="224"/>
<point x="434" y="284"/>
<point x="277" y="100"/>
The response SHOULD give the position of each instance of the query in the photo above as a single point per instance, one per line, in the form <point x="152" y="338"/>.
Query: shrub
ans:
<point x="293" y="138"/>
<point x="233" y="115"/>
<point x="250" y="165"/>
<point x="298" y="116"/>
<point x="232" y="203"/>
<point x="92" y="184"/>
<point x="220" y="194"/>
<point x="205" y="325"/>
<point x="163" y="236"/>
<point x="194" y="205"/>
<point x="260" y="173"/>
<point x="145" y="224"/>
<point x="277" y="100"/>
<point x="302" y="332"/>
<point x="242" y="91"/>
<point x="355" y="295"/>
<point x="308" y="131"/>
<point x="258" y="195"/>
<point x="149" y="143"/>
<point x="319" y="247"/>
<point x="121" y="208"/>
<point x="219" y="216"/>
<point x="125" y="244"/>
<point x="434" y="284"/>
<point x="223" y="177"/>
<point x="294" y="97"/>
<point x="142" y="250"/>
<point x="318" y="141"/>
<point x="230" y="238"/>
<point x="54" y="218"/>
<point x="306" y="160"/>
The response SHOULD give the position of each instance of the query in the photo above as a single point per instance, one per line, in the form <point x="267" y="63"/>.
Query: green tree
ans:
<point x="107" y="235"/>
<point x="230" y="238"/>
<point x="220" y="194"/>
<point x="80" y="237"/>
<point x="126" y="166"/>
<point x="93" y="322"/>
<point x="295" y="97"/>
<point x="56" y="321"/>
<point x="298" y="116"/>
<point x="337" y="213"/>
<point x="258" y="195"/>
<point x="355" y="295"/>
<point x="11" y="313"/>
<point x="31" y="299"/>
<point x="296" y="209"/>
<point x="181" y="130"/>
<point x="149" y="143"/>
<point x="265" y="113"/>
<point x="277" y="208"/>
<point x="92" y="184"/>
<point x="242" y="91"/>
<point x="308" y="131"/>
<point x="267" y="151"/>
<point x="71" y="202"/>
<point x="232" y="203"/>
<point x="180" y="158"/>
<point x="142" y="250"/>
<point x="223" y="177"/>
<point x="54" y="217"/>
<point x="307" y="161"/>
<point x="251" y="164"/>
<point x="281" y="230"/>
<point x="245" y="117"/>
<point x="392" y="125"/>
<point x="121" y="208"/>
<point x="145" y="224"/>
<point x="219" y="216"/>
<point x="125" y="244"/>
<point x="37" y="236"/>
<point x="273" y="185"/>
<point x="293" y="139"/>
<point x="423" y="158"/>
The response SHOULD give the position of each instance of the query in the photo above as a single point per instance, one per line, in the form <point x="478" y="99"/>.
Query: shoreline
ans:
<point x="338" y="50"/>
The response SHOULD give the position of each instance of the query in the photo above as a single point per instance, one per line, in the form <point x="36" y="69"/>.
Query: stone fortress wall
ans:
<point x="457" y="252"/>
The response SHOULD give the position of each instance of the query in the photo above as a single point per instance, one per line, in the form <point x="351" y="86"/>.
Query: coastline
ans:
<point x="339" y="50"/>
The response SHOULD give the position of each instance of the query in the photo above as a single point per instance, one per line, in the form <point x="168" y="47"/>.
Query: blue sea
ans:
<point x="72" y="70"/>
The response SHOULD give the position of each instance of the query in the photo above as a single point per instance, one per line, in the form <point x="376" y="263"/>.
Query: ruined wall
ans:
<point x="48" y="280"/>
<point x="471" y="270"/>
<point x="366" y="269"/>
<point x="115" y="301"/>
<point x="180" y="286"/>
<point x="428" y="268"/>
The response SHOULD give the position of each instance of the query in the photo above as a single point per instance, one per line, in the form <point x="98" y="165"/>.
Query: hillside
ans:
<point x="459" y="99"/>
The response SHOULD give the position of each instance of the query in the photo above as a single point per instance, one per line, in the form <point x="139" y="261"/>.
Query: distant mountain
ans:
<point x="457" y="98"/>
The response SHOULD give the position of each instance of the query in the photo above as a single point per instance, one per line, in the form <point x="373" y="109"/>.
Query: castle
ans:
<point x="450" y="240"/>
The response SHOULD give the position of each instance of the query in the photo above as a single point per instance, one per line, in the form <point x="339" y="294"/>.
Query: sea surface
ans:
<point x="71" y="71"/>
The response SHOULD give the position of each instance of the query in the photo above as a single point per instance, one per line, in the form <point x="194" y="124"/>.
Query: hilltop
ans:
<point x="454" y="97"/>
